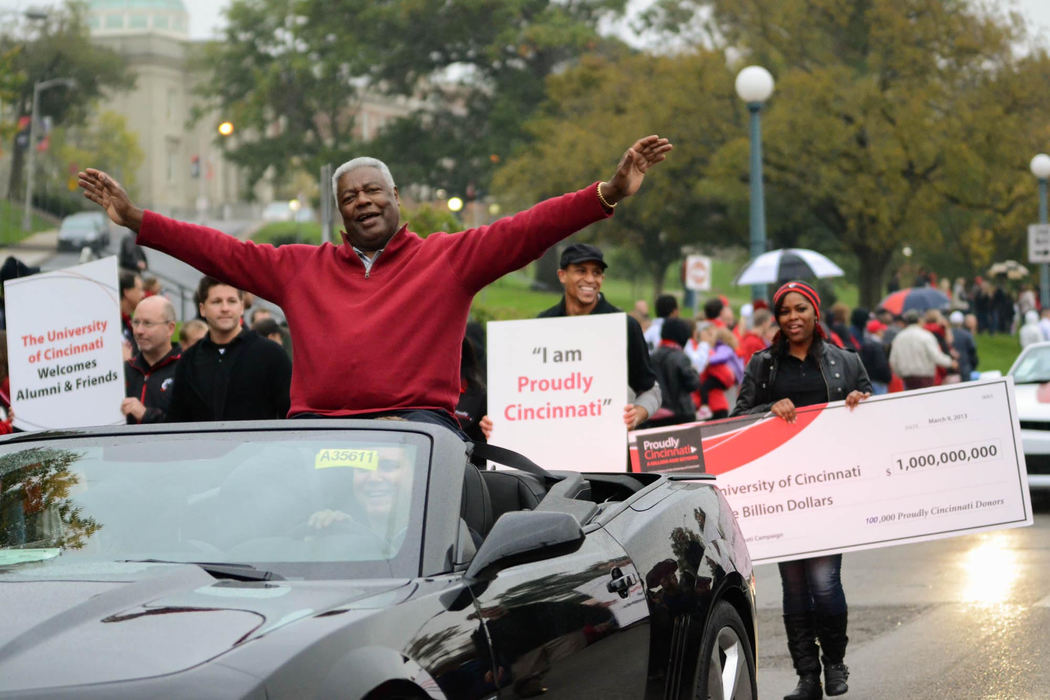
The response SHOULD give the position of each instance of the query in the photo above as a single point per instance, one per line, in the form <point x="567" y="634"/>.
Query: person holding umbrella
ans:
<point x="800" y="369"/>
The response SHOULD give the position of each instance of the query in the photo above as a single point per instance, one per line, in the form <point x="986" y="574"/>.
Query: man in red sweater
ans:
<point x="387" y="339"/>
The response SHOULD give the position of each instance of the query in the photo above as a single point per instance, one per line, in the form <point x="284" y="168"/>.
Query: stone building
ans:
<point x="183" y="173"/>
<point x="153" y="35"/>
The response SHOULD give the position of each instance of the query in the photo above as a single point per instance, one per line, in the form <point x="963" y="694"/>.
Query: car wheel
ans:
<point x="726" y="666"/>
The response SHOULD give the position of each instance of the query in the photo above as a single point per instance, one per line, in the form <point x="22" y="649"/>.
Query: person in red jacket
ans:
<point x="758" y="336"/>
<point x="148" y="374"/>
<point x="719" y="375"/>
<point x="387" y="292"/>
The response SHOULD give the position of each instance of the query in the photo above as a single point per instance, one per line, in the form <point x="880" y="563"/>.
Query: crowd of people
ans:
<point x="998" y="305"/>
<point x="700" y="361"/>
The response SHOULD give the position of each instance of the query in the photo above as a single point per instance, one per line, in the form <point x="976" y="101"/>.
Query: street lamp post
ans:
<point x="1040" y="167"/>
<point x="754" y="85"/>
<point x="39" y="87"/>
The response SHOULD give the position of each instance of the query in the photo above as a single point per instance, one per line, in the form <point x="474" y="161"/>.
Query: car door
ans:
<point x="568" y="624"/>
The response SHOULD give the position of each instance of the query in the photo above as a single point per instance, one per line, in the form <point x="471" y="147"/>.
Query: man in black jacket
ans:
<point x="232" y="373"/>
<point x="149" y="373"/>
<point x="582" y="270"/>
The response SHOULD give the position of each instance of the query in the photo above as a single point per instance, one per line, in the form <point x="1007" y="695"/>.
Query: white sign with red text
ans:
<point x="64" y="347"/>
<point x="900" y="468"/>
<point x="557" y="388"/>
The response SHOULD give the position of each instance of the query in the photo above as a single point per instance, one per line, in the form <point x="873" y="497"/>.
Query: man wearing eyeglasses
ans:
<point x="148" y="375"/>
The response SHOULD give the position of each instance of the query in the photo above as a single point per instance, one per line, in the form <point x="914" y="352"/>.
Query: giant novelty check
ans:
<point x="900" y="468"/>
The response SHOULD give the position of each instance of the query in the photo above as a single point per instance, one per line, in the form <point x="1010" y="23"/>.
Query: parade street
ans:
<point x="958" y="618"/>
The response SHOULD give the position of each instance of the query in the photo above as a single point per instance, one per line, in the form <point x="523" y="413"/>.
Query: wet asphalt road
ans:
<point x="967" y="617"/>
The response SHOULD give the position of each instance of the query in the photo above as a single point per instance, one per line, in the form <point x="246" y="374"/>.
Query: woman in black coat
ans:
<point x="801" y="369"/>
<point x="676" y="375"/>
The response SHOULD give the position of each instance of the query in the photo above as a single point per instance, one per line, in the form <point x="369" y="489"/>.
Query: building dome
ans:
<point x="108" y="17"/>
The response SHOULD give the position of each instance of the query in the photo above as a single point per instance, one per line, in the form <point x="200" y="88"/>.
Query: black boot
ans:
<point x="808" y="688"/>
<point x="801" y="639"/>
<point x="831" y="630"/>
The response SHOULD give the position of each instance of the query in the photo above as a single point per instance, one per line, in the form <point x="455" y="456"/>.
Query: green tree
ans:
<point x="291" y="73"/>
<point x="594" y="110"/>
<point x="502" y="52"/>
<point x="427" y="218"/>
<point x="61" y="48"/>
<point x="891" y="118"/>
<point x="11" y="81"/>
<point x="287" y="73"/>
<point x="105" y="143"/>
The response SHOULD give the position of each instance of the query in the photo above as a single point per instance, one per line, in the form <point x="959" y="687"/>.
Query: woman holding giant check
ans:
<point x="799" y="369"/>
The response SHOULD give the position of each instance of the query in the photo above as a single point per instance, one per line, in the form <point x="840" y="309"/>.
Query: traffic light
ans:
<point x="195" y="166"/>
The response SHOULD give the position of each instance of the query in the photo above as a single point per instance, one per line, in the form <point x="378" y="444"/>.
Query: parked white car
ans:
<point x="1031" y="373"/>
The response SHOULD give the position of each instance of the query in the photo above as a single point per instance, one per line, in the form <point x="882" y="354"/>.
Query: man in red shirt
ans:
<point x="388" y="294"/>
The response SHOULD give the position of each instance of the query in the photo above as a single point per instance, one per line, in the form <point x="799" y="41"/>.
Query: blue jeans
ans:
<point x="813" y="585"/>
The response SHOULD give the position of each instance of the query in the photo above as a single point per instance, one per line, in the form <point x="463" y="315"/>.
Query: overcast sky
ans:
<point x="205" y="14"/>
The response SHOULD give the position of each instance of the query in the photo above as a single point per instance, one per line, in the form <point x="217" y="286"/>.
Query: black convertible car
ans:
<point x="358" y="559"/>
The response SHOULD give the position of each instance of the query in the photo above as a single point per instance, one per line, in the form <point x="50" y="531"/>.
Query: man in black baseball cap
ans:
<point x="581" y="275"/>
<point x="581" y="252"/>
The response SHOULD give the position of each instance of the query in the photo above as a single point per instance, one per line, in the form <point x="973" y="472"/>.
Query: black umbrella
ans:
<point x="787" y="264"/>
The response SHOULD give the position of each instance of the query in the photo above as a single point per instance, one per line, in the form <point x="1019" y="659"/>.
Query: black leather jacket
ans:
<point x="677" y="380"/>
<point x="842" y="370"/>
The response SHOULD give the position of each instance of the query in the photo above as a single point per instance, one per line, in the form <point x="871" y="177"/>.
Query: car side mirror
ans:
<point x="520" y="537"/>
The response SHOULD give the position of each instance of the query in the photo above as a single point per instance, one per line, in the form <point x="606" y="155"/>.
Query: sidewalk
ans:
<point x="33" y="250"/>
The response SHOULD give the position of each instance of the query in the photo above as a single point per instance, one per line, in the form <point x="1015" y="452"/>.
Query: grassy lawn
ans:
<point x="11" y="223"/>
<point x="282" y="232"/>
<point x="996" y="351"/>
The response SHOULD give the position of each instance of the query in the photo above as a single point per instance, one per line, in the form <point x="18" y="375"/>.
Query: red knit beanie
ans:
<point x="806" y="291"/>
<point x="802" y="288"/>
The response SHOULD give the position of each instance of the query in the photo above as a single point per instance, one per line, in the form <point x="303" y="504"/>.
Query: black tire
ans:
<point x="725" y="667"/>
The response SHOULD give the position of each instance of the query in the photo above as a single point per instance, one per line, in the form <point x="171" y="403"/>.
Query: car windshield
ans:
<point x="304" y="504"/>
<point x="1033" y="366"/>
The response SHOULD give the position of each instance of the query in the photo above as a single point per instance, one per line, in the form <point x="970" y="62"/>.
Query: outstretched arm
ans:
<point x="106" y="192"/>
<point x="644" y="154"/>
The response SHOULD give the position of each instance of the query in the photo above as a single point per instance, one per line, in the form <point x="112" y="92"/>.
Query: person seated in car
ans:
<point x="380" y="498"/>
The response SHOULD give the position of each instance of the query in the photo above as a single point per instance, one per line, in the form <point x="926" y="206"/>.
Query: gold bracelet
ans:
<point x="602" y="199"/>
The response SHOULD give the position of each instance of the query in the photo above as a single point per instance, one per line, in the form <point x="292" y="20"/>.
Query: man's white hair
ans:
<point x="362" y="162"/>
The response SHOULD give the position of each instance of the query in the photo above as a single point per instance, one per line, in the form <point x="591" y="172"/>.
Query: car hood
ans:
<point x="1029" y="407"/>
<point x="97" y="623"/>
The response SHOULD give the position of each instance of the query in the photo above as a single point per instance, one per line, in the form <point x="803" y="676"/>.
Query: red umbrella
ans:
<point x="917" y="298"/>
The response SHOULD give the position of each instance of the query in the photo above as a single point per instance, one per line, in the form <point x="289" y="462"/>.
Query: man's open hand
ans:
<point x="644" y="154"/>
<point x="106" y="192"/>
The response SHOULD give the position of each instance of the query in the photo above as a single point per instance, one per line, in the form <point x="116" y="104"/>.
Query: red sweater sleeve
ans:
<point x="485" y="254"/>
<point x="243" y="264"/>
